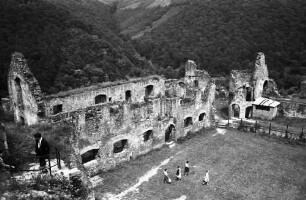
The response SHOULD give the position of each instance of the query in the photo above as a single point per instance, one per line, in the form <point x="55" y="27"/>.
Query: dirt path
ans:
<point x="142" y="179"/>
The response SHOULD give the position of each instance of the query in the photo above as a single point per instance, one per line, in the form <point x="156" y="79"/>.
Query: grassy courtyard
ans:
<point x="242" y="166"/>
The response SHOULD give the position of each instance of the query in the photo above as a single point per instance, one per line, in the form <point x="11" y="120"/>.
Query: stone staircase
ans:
<point x="222" y="124"/>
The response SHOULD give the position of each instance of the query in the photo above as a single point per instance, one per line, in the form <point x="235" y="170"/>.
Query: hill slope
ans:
<point x="134" y="16"/>
<point x="68" y="44"/>
<point x="225" y="34"/>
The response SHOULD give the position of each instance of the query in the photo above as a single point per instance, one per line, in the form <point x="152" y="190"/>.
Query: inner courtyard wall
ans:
<point x="119" y="120"/>
<point x="245" y="86"/>
<point x="24" y="92"/>
<point x="116" y="92"/>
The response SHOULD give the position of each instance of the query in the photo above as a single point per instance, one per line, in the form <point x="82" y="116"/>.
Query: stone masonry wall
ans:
<point x="114" y="93"/>
<point x="24" y="92"/>
<point x="246" y="86"/>
<point x="102" y="125"/>
<point x="119" y="120"/>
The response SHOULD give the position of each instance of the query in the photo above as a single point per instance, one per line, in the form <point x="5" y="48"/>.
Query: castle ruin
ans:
<point x="247" y="92"/>
<point x="118" y="121"/>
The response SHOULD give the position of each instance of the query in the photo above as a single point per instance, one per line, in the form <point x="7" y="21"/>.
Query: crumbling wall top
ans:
<point x="104" y="85"/>
<point x="24" y="90"/>
<point x="191" y="70"/>
<point x="260" y="70"/>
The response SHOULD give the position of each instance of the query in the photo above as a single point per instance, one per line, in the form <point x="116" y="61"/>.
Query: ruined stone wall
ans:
<point x="102" y="126"/>
<point x="260" y="75"/>
<point x="24" y="92"/>
<point x="132" y="122"/>
<point x="245" y="86"/>
<point x="121" y="120"/>
<point x="264" y="114"/>
<point x="74" y="100"/>
<point x="239" y="82"/>
<point x="292" y="108"/>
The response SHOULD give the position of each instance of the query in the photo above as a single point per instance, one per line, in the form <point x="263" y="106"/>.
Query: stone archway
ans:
<point x="170" y="133"/>
<point x="19" y="100"/>
<point x="249" y="112"/>
<point x="235" y="110"/>
<point x="266" y="88"/>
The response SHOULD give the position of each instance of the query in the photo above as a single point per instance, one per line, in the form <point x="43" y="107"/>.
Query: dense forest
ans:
<point x="75" y="43"/>
<point x="68" y="44"/>
<point x="226" y="34"/>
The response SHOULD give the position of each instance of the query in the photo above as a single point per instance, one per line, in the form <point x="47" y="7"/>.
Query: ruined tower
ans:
<point x="24" y="91"/>
<point x="260" y="75"/>
<point x="247" y="89"/>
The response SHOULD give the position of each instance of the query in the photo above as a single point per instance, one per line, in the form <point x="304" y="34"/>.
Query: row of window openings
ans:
<point x="188" y="121"/>
<point x="120" y="145"/>
<point x="123" y="144"/>
<point x="102" y="99"/>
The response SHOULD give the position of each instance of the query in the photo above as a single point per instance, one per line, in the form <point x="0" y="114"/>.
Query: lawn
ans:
<point x="242" y="166"/>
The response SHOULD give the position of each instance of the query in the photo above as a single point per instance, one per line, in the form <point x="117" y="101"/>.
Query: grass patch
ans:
<point x="242" y="166"/>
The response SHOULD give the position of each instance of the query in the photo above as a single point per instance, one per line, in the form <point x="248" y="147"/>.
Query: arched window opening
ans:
<point x="265" y="86"/>
<point x="236" y="110"/>
<point x="149" y="90"/>
<point x="231" y="96"/>
<point x="128" y="95"/>
<point x="202" y="116"/>
<point x="169" y="133"/>
<point x="19" y="93"/>
<point x="188" y="122"/>
<point x="89" y="155"/>
<point x="120" y="146"/>
<point x="248" y="96"/>
<point x="22" y="122"/>
<point x="148" y="135"/>
<point x="57" y="109"/>
<point x="249" y="112"/>
<point x="100" y="99"/>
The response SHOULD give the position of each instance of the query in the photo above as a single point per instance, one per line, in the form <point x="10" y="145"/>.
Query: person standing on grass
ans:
<point x="186" y="171"/>
<point x="166" y="177"/>
<point x="206" y="178"/>
<point x="178" y="174"/>
<point x="42" y="151"/>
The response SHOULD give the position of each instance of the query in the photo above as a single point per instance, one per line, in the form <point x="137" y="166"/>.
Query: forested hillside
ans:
<point x="75" y="43"/>
<point x="68" y="44"/>
<point x="226" y="34"/>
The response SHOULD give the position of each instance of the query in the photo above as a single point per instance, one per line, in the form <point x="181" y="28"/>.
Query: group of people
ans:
<point x="42" y="150"/>
<point x="178" y="174"/>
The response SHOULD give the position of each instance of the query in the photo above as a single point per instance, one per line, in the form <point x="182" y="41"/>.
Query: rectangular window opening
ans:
<point x="147" y="135"/>
<point x="57" y="109"/>
<point x="120" y="146"/>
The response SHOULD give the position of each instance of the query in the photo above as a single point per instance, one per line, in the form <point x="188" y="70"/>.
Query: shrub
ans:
<point x="56" y="185"/>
